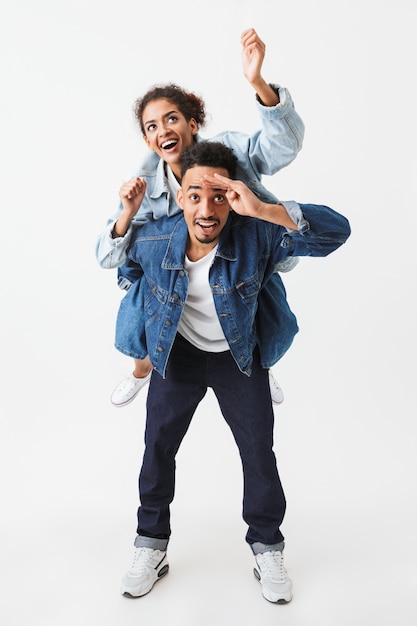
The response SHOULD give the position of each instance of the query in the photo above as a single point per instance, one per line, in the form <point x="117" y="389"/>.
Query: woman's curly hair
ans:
<point x="189" y="104"/>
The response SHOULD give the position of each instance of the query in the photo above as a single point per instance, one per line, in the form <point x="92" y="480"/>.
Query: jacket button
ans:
<point x="167" y="323"/>
<point x="160" y="349"/>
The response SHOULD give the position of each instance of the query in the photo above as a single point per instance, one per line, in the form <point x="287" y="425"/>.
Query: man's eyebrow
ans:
<point x="223" y="189"/>
<point x="165" y="115"/>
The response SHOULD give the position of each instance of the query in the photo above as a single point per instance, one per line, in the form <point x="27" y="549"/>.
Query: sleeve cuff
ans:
<point x="294" y="211"/>
<point x="282" y="94"/>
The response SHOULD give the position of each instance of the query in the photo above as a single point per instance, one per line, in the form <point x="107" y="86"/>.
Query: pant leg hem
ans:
<point x="142" y="541"/>
<point x="258" y="547"/>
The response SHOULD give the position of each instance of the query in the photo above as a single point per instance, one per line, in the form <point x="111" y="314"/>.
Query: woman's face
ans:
<point x="167" y="132"/>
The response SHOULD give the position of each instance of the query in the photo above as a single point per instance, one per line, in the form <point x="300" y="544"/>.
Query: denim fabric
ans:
<point x="141" y="541"/>
<point x="246" y="406"/>
<point x="246" y="257"/>
<point x="260" y="548"/>
<point x="264" y="152"/>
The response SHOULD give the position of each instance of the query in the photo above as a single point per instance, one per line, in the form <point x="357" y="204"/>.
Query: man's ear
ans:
<point x="179" y="198"/>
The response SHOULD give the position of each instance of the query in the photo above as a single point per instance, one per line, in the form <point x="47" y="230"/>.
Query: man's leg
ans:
<point x="170" y="406"/>
<point x="246" y="406"/>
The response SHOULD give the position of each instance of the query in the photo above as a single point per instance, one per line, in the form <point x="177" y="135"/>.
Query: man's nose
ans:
<point x="206" y="207"/>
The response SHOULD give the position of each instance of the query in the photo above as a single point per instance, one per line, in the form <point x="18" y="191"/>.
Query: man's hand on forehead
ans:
<point x="237" y="193"/>
<point x="217" y="180"/>
<point x="244" y="202"/>
<point x="223" y="184"/>
<point x="234" y="189"/>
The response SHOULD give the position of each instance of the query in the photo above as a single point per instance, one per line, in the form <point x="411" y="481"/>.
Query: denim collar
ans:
<point x="174" y="255"/>
<point x="160" y="181"/>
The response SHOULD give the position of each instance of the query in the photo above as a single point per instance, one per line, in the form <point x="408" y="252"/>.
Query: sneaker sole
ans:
<point x="121" y="404"/>
<point x="284" y="598"/>
<point x="162" y="572"/>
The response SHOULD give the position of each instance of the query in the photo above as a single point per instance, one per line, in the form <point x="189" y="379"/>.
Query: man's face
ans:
<point x="205" y="207"/>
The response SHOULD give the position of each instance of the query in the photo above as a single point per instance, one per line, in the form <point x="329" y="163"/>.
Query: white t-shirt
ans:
<point x="173" y="184"/>
<point x="199" y="323"/>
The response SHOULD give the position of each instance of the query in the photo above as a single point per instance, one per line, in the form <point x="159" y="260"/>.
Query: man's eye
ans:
<point x="194" y="197"/>
<point x="219" y="198"/>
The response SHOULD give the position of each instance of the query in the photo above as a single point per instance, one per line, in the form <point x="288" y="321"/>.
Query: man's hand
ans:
<point x="239" y="196"/>
<point x="244" y="202"/>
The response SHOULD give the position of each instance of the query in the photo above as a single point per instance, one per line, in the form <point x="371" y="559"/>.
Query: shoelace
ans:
<point x="141" y="559"/>
<point x="272" y="564"/>
<point x="127" y="383"/>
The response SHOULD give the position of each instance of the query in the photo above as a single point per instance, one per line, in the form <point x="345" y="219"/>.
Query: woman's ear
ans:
<point x="193" y="126"/>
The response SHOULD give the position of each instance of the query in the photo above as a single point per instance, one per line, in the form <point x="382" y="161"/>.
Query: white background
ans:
<point x="346" y="433"/>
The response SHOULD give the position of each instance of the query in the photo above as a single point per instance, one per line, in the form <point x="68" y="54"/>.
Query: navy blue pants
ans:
<point x="246" y="406"/>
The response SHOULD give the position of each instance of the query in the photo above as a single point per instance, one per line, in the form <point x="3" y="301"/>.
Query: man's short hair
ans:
<point x="209" y="154"/>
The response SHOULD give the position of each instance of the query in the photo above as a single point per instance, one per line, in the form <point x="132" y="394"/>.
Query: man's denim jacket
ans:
<point x="247" y="255"/>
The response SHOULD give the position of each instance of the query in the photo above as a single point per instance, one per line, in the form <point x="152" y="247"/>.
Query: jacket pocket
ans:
<point x="248" y="291"/>
<point x="154" y="301"/>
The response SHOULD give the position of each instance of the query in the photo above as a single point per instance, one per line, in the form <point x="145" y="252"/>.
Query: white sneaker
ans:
<point x="128" y="389"/>
<point x="277" y="394"/>
<point x="147" y="568"/>
<point x="271" y="573"/>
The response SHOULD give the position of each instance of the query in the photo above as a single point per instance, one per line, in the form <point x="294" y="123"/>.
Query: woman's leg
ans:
<point x="128" y="388"/>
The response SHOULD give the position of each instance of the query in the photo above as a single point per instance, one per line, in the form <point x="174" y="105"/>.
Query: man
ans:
<point x="202" y="273"/>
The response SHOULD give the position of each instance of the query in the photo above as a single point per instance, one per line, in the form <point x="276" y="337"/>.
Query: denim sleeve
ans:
<point x="294" y="211"/>
<point x="111" y="253"/>
<point x="272" y="147"/>
<point x="281" y="136"/>
<point x="128" y="273"/>
<point x="321" y="230"/>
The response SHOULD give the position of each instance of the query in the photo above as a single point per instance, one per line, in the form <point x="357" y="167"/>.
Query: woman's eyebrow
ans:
<point x="164" y="115"/>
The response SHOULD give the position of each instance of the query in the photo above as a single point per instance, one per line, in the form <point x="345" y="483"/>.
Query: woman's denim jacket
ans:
<point x="265" y="152"/>
<point x="247" y="255"/>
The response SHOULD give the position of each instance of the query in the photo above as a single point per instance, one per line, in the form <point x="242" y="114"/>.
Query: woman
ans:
<point x="170" y="119"/>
